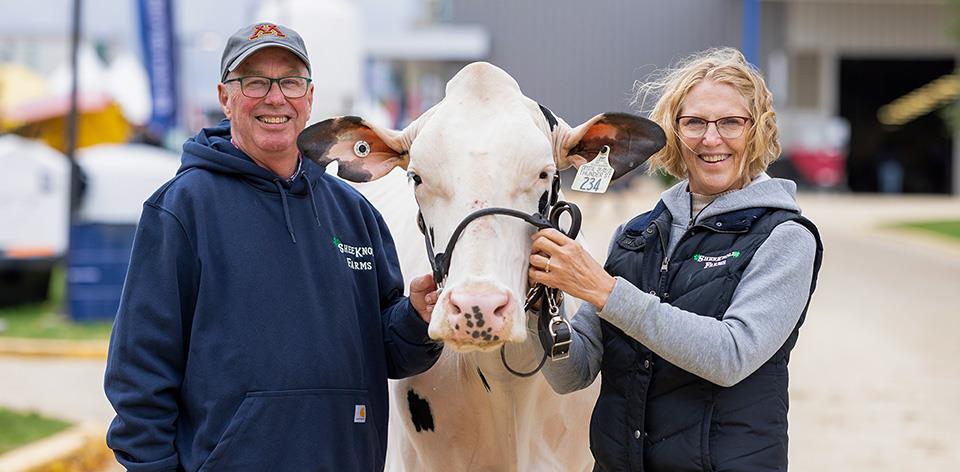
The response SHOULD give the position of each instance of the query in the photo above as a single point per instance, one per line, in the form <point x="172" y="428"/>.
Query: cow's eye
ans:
<point x="415" y="178"/>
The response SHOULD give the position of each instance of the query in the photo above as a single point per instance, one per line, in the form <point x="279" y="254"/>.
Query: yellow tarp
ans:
<point x="18" y="84"/>
<point x="28" y="109"/>
<point x="93" y="127"/>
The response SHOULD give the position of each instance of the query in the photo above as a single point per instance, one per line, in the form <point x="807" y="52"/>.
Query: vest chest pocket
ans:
<point x="707" y="294"/>
<point x="627" y="258"/>
<point x="632" y="241"/>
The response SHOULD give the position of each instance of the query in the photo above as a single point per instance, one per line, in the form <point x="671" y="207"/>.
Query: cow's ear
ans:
<point x="632" y="141"/>
<point x="365" y="152"/>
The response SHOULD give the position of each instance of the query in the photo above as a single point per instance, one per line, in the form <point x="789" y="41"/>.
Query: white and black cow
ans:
<point x="484" y="145"/>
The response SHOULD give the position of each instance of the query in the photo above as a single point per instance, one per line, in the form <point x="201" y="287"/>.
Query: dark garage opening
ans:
<point x="915" y="157"/>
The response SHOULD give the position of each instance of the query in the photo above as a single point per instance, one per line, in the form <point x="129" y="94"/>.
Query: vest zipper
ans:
<point x="664" y="265"/>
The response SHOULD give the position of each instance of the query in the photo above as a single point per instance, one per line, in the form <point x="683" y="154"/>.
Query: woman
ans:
<point x="692" y="319"/>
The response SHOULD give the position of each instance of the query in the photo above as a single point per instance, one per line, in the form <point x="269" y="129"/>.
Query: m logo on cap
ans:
<point x="266" y="29"/>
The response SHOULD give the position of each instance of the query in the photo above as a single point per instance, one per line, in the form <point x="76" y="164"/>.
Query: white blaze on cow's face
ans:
<point x="485" y="145"/>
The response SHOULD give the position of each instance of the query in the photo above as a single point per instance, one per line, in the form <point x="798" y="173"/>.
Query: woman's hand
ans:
<point x="560" y="262"/>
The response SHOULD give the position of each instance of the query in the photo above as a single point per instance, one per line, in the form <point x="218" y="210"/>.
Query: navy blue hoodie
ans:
<point x="259" y="322"/>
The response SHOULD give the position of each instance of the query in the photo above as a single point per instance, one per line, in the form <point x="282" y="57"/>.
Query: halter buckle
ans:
<point x="560" y="332"/>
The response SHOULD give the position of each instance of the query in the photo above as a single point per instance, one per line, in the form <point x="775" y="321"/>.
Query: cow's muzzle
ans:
<point x="478" y="315"/>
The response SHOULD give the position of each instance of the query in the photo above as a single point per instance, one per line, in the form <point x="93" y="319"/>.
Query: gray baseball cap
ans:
<point x="255" y="37"/>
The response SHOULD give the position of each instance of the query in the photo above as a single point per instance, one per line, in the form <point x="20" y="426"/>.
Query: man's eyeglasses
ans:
<point x="255" y="86"/>
<point x="729" y="127"/>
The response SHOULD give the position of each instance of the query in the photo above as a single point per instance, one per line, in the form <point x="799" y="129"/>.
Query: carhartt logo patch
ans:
<point x="715" y="261"/>
<point x="266" y="29"/>
<point x="359" y="413"/>
<point x="355" y="255"/>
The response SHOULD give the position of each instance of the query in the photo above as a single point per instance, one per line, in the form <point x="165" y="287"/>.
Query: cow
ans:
<point x="483" y="145"/>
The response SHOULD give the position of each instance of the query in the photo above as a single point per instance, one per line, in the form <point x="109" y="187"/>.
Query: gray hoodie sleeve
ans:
<point x="586" y="349"/>
<point x="763" y="312"/>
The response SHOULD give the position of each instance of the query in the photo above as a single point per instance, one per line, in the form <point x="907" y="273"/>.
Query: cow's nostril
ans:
<point x="502" y="309"/>
<point x="452" y="307"/>
<point x="475" y="305"/>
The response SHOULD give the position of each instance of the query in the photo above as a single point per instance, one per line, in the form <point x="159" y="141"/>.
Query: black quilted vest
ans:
<point x="655" y="417"/>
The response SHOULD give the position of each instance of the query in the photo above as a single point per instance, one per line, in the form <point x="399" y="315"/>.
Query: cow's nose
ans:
<point x="478" y="314"/>
<point x="480" y="304"/>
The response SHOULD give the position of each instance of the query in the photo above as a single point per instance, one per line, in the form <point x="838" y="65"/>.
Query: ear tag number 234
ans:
<point x="594" y="176"/>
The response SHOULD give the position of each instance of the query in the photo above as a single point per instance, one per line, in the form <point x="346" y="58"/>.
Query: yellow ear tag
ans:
<point x="594" y="176"/>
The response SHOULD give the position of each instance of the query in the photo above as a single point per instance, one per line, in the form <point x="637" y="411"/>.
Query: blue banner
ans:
<point x="159" y="52"/>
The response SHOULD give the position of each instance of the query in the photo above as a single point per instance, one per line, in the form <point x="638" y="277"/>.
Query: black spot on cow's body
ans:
<point x="551" y="119"/>
<point x="483" y="379"/>
<point x="420" y="412"/>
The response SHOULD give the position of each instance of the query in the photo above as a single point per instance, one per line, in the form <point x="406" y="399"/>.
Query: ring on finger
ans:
<point x="546" y="268"/>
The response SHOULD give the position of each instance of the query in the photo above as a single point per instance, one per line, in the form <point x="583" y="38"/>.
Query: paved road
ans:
<point x="63" y="388"/>
<point x="875" y="377"/>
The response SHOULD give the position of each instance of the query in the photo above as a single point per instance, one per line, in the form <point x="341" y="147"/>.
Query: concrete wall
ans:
<point x="580" y="58"/>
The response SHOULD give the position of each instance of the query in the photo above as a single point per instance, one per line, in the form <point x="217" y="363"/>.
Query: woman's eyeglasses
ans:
<point x="729" y="127"/>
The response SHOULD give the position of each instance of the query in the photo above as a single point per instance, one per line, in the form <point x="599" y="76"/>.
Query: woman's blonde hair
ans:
<point x="724" y="65"/>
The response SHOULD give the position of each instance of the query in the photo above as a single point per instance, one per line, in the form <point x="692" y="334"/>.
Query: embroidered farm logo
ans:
<point x="714" y="261"/>
<point x="354" y="253"/>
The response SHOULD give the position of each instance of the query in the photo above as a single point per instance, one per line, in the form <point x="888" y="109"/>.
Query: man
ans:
<point x="263" y="308"/>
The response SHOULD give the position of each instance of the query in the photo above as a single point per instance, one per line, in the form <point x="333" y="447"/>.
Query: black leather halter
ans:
<point x="548" y="216"/>
<point x="553" y="329"/>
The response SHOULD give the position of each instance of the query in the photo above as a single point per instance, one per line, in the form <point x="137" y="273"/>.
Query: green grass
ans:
<point x="45" y="320"/>
<point x="947" y="228"/>
<point x="17" y="429"/>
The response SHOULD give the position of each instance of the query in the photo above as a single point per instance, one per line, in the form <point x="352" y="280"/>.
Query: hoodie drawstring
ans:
<point x="286" y="209"/>
<point x="313" y="199"/>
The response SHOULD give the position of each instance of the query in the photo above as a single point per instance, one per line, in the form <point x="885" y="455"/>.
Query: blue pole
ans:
<point x="750" y="38"/>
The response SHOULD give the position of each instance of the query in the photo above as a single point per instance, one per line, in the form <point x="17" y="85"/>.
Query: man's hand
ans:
<point x="423" y="295"/>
